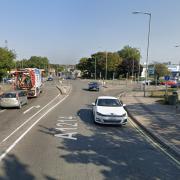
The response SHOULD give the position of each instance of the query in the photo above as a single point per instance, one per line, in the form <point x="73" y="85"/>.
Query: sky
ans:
<point x="67" y="30"/>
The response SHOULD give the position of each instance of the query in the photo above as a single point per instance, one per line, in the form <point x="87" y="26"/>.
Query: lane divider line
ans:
<point x="2" y="156"/>
<point x="5" y="139"/>
<point x="38" y="106"/>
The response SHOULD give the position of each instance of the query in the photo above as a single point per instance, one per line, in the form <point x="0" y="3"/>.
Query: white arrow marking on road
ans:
<point x="38" y="106"/>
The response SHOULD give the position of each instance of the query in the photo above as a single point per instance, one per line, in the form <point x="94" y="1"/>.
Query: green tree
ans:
<point x="113" y="61"/>
<point x="130" y="63"/>
<point x="161" y="70"/>
<point x="38" y="62"/>
<point x="130" y="53"/>
<point x="6" y="61"/>
<point x="127" y="68"/>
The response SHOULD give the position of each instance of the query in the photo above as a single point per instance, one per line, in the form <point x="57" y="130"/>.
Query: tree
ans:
<point x="161" y="70"/>
<point x="130" y="53"/>
<point x="130" y="64"/>
<point x="38" y="62"/>
<point x="6" y="61"/>
<point x="127" y="68"/>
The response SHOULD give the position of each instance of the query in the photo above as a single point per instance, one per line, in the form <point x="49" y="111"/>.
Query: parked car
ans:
<point x="148" y="82"/>
<point x="8" y="80"/>
<point x="169" y="83"/>
<point x="177" y="85"/>
<point x="93" y="86"/>
<point x="50" y="79"/>
<point x="109" y="110"/>
<point x="155" y="82"/>
<point x="13" y="99"/>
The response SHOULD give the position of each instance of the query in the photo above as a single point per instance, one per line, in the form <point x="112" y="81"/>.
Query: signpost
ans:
<point x="166" y="78"/>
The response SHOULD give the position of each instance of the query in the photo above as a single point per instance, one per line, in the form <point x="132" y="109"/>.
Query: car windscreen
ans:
<point x="9" y="95"/>
<point x="108" y="102"/>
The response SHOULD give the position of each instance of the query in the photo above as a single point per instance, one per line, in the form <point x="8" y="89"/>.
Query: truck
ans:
<point x="28" y="79"/>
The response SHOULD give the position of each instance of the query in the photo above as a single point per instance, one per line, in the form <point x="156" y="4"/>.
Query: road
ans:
<point x="62" y="142"/>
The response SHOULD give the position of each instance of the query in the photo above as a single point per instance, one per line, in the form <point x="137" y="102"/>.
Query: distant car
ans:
<point x="177" y="85"/>
<point x="169" y="83"/>
<point x="109" y="110"/>
<point x="148" y="82"/>
<point x="13" y="99"/>
<point x="50" y="79"/>
<point x="9" y="80"/>
<point x="93" y="86"/>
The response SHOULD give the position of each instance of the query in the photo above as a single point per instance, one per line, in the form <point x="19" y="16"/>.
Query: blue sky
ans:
<point x="66" y="30"/>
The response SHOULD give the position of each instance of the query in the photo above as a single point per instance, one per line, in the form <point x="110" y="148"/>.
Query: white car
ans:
<point x="109" y="110"/>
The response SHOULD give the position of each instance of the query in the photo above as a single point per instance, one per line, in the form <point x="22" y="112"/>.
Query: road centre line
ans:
<point x="17" y="140"/>
<point x="152" y="141"/>
<point x="28" y="120"/>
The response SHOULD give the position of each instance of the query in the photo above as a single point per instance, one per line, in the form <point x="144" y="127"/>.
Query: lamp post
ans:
<point x="147" y="55"/>
<point x="106" y="67"/>
<point x="179" y="63"/>
<point x="95" y="67"/>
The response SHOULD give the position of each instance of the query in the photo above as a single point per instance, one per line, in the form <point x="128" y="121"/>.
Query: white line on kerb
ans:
<point x="153" y="142"/>
<point x="27" y="120"/>
<point x="17" y="140"/>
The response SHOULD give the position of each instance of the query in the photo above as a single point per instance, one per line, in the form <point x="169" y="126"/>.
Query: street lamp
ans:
<point x="179" y="62"/>
<point x="147" y="55"/>
<point x="106" y="67"/>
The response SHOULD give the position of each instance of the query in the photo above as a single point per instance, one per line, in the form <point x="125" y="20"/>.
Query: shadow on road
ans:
<point x="115" y="153"/>
<point x="15" y="170"/>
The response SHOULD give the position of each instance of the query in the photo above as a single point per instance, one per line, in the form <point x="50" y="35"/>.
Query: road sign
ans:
<point x="166" y="78"/>
<point x="151" y="70"/>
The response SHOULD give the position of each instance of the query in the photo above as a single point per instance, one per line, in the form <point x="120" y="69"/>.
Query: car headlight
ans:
<point x="124" y="115"/>
<point x="99" y="114"/>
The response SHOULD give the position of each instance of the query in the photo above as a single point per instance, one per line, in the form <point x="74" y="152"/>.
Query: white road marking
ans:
<point x="62" y="124"/>
<point x="5" y="139"/>
<point x="38" y="106"/>
<point x="65" y="129"/>
<point x="17" y="140"/>
<point x="67" y="135"/>
<point x="153" y="142"/>
<point x="69" y="124"/>
<point x="2" y="111"/>
<point x="66" y="120"/>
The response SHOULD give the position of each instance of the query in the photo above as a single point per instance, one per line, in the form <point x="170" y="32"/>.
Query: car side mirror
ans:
<point x="93" y="104"/>
<point x="124" y="105"/>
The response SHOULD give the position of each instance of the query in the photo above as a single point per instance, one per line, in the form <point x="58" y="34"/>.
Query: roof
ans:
<point x="107" y="97"/>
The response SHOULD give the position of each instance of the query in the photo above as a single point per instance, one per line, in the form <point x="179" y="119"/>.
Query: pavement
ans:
<point x="161" y="122"/>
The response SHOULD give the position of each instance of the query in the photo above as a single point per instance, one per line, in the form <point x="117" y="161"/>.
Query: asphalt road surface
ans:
<point x="59" y="141"/>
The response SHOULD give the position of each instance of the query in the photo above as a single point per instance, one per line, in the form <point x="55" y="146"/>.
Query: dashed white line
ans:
<point x="5" y="139"/>
<point x="17" y="140"/>
<point x="38" y="106"/>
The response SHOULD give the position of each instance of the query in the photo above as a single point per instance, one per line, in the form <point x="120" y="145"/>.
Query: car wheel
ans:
<point x="20" y="106"/>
